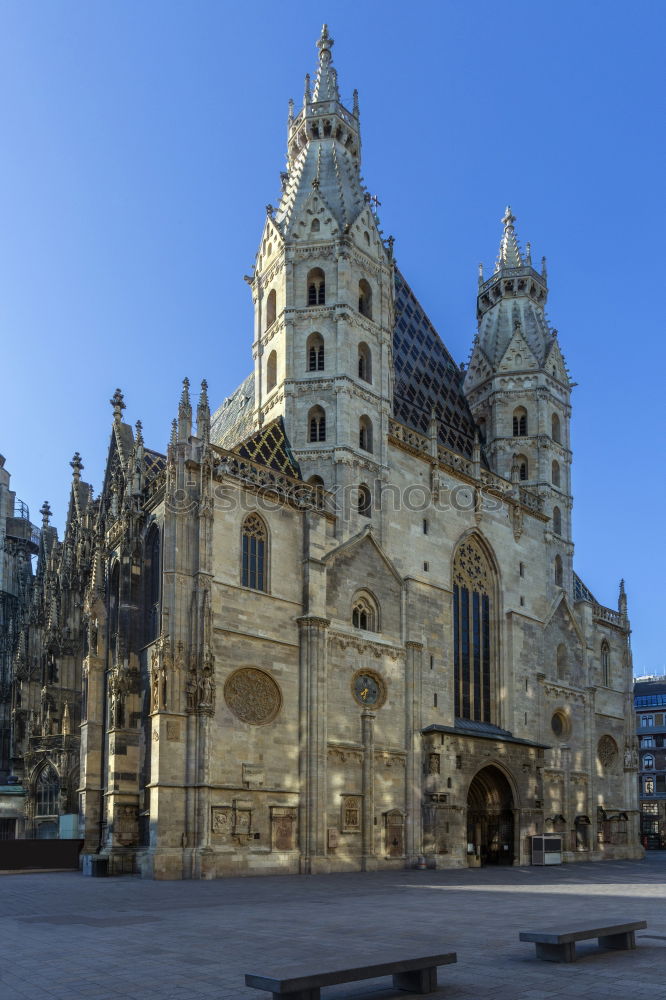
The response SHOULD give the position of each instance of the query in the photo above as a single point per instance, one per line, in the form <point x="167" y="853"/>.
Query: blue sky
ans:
<point x="143" y="140"/>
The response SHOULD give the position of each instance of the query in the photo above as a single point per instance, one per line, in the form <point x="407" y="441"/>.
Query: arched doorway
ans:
<point x="490" y="817"/>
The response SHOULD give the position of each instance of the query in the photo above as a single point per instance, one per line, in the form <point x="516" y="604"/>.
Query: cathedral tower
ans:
<point x="323" y="296"/>
<point x="519" y="389"/>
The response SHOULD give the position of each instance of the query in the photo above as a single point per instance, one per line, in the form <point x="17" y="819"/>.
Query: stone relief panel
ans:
<point x="283" y="828"/>
<point x="350" y="820"/>
<point x="253" y="696"/>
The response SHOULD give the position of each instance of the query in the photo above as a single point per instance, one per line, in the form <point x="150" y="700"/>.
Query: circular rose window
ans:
<point x="607" y="751"/>
<point x="253" y="696"/>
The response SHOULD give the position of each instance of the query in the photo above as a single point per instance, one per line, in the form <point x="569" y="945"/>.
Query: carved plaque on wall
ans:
<point x="351" y="813"/>
<point x="253" y="696"/>
<point x="221" y="820"/>
<point x="283" y="828"/>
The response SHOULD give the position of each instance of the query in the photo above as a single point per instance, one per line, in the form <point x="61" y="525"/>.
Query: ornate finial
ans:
<point x="480" y="274"/>
<point x="203" y="398"/>
<point x="544" y="271"/>
<point x="326" y="84"/>
<point x="325" y="41"/>
<point x="269" y="211"/>
<point x="622" y="601"/>
<point x="185" y="394"/>
<point x="291" y="110"/>
<point x="355" y="107"/>
<point x="203" y="413"/>
<point x="174" y="431"/>
<point x="509" y="252"/>
<point x="528" y="253"/>
<point x="76" y="465"/>
<point x="139" y="434"/>
<point x="185" y="412"/>
<point x="307" y="94"/>
<point x="508" y="218"/>
<point x="315" y="183"/>
<point x="118" y="404"/>
<point x="46" y="513"/>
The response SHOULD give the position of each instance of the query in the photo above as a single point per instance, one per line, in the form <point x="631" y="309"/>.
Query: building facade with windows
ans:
<point x="650" y="709"/>
<point x="337" y="626"/>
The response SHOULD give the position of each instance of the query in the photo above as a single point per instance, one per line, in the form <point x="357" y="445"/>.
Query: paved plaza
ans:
<point x="65" y="935"/>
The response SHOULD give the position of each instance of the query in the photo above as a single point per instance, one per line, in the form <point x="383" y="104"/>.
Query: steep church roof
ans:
<point x="233" y="421"/>
<point x="427" y="379"/>
<point x="270" y="447"/>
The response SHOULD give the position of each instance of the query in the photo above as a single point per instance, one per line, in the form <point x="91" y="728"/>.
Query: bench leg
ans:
<point x="299" y="995"/>
<point x="556" y="952"/>
<point x="619" y="942"/>
<point x="417" y="981"/>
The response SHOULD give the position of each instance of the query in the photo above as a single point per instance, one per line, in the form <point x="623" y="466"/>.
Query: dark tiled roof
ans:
<point x="270" y="447"/>
<point x="153" y="463"/>
<point x="581" y="593"/>
<point x="232" y="422"/>
<point x="426" y="376"/>
<point x="481" y="730"/>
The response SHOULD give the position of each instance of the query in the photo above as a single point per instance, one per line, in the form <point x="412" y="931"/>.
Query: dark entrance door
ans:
<point x="490" y="817"/>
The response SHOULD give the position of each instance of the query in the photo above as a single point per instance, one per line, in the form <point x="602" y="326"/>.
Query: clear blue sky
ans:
<point x="141" y="142"/>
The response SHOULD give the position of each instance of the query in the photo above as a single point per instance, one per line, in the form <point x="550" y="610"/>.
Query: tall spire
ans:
<point x="509" y="252"/>
<point x="185" y="412"/>
<point x="326" y="84"/>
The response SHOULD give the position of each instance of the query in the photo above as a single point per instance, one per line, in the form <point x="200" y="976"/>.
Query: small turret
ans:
<point x="185" y="413"/>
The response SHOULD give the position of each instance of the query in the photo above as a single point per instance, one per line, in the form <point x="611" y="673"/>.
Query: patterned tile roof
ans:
<point x="153" y="463"/>
<point x="270" y="447"/>
<point x="426" y="376"/>
<point x="232" y="421"/>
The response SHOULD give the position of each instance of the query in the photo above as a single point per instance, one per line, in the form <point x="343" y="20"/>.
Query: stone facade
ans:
<point x="338" y="627"/>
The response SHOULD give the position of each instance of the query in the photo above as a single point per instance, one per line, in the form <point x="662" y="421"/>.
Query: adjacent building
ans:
<point x="650" y="708"/>
<point x="336" y="625"/>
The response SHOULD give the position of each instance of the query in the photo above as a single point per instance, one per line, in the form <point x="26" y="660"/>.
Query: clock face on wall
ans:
<point x="368" y="689"/>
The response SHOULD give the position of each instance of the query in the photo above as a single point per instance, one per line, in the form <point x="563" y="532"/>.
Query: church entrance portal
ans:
<point x="490" y="817"/>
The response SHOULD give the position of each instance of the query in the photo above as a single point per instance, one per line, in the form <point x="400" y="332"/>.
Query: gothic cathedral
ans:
<point x="338" y="627"/>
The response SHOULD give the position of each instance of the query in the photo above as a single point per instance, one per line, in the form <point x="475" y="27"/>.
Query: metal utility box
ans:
<point x="547" y="849"/>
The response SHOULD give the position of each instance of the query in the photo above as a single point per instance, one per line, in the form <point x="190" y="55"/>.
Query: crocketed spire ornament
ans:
<point x="118" y="403"/>
<point x="326" y="84"/>
<point x="76" y="465"/>
<point x="185" y="412"/>
<point x="509" y="252"/>
<point x="203" y="413"/>
<point x="46" y="513"/>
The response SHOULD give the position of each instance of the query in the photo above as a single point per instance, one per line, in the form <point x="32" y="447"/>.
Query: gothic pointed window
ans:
<point x="364" y="501"/>
<point x="314" y="350"/>
<point x="153" y="581"/>
<point x="254" y="553"/>
<point x="364" y="363"/>
<point x="270" y="308"/>
<point x="555" y="431"/>
<point x="474" y="590"/>
<point x="364" y="613"/>
<point x="523" y="467"/>
<point x="519" y="421"/>
<point x="47" y="792"/>
<point x="559" y="576"/>
<point x="364" y="298"/>
<point x="316" y="287"/>
<point x="605" y="664"/>
<point x="271" y="371"/>
<point x="316" y="424"/>
<point x="557" y="520"/>
<point x="365" y="434"/>
<point x="555" y="476"/>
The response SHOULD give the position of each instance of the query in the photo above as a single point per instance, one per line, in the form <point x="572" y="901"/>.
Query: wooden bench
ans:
<point x="556" y="945"/>
<point x="304" y="981"/>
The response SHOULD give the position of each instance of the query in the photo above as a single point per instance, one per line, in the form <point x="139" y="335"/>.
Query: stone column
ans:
<point x="368" y="788"/>
<point x="312" y="743"/>
<point x="413" y="790"/>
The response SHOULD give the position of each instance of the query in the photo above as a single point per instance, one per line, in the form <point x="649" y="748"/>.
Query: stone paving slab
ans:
<point x="63" y="935"/>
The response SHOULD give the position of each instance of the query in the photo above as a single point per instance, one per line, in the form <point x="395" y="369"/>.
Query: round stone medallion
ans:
<point x="253" y="696"/>
<point x="607" y="751"/>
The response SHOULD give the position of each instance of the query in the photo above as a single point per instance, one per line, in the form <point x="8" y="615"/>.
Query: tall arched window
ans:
<point x="364" y="298"/>
<point x="605" y="663"/>
<point x="153" y="580"/>
<point x="558" y="571"/>
<point x="316" y="424"/>
<point x="562" y="662"/>
<point x="557" y="520"/>
<point x="519" y="421"/>
<point x="364" y="362"/>
<point x="270" y="308"/>
<point x="254" y="555"/>
<point x="365" y="433"/>
<point x="555" y="431"/>
<point x="523" y="467"/>
<point x="314" y="349"/>
<point x="271" y="371"/>
<point x="473" y="643"/>
<point x="555" y="477"/>
<point x="364" y="501"/>
<point x="316" y="287"/>
<point x="47" y="792"/>
<point x="364" y="613"/>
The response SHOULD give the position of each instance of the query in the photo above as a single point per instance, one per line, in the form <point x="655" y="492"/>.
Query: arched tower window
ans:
<point x="47" y="792"/>
<point x="271" y="371"/>
<point x="364" y="501"/>
<point x="557" y="520"/>
<point x="562" y="662"/>
<point x="523" y="467"/>
<point x="474" y="589"/>
<point x="559" y="576"/>
<point x="555" y="429"/>
<point x="316" y="424"/>
<point x="315" y="226"/>
<point x="314" y="349"/>
<point x="364" y="298"/>
<point x="555" y="477"/>
<point x="365" y="613"/>
<point x="254" y="570"/>
<point x="519" y="421"/>
<point x="605" y="663"/>
<point x="364" y="362"/>
<point x="365" y="434"/>
<point x="270" y="308"/>
<point x="153" y="580"/>
<point x="316" y="287"/>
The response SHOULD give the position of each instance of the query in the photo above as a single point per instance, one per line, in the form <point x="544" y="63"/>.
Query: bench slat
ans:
<point x="296" y="978"/>
<point x="580" y="932"/>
